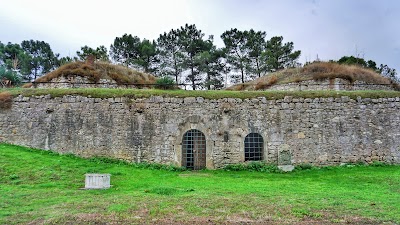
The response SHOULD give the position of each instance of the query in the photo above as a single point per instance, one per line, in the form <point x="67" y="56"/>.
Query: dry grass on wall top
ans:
<point x="124" y="75"/>
<point x="264" y="85"/>
<point x="99" y="70"/>
<point x="75" y="68"/>
<point x="326" y="70"/>
<point x="5" y="100"/>
<point x="317" y="72"/>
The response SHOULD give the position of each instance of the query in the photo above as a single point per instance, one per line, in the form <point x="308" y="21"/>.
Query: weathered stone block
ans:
<point x="97" y="181"/>
<point x="286" y="168"/>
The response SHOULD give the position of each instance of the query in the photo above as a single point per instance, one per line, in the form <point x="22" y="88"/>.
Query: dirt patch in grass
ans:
<point x="139" y="218"/>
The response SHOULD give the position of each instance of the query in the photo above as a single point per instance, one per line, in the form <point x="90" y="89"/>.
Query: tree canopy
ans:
<point x="40" y="58"/>
<point x="279" y="55"/>
<point x="99" y="53"/>
<point x="185" y="54"/>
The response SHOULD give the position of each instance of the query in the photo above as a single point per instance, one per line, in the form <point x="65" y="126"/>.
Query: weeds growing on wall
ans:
<point x="261" y="166"/>
<point x="304" y="166"/>
<point x="252" y="166"/>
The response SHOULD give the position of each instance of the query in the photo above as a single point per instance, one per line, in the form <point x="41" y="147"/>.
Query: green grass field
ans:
<point x="41" y="187"/>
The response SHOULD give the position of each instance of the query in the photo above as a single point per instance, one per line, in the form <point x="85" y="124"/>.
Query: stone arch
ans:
<point x="253" y="147"/>
<point x="194" y="152"/>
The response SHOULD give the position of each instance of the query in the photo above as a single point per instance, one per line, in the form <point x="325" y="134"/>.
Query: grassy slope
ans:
<point x="142" y="93"/>
<point x="99" y="70"/>
<point x="316" y="71"/>
<point x="42" y="186"/>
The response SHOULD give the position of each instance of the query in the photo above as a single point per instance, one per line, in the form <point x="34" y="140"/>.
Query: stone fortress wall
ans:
<point x="321" y="131"/>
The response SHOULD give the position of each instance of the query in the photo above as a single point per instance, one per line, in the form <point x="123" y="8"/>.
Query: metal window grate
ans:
<point x="194" y="150"/>
<point x="253" y="147"/>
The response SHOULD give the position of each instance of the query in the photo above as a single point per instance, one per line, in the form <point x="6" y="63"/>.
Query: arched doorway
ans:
<point x="194" y="150"/>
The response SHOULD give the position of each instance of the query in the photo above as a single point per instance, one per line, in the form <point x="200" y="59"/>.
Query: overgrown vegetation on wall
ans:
<point x="318" y="71"/>
<point x="166" y="83"/>
<point x="99" y="70"/>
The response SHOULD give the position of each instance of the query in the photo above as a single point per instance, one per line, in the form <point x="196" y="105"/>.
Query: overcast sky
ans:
<point x="327" y="28"/>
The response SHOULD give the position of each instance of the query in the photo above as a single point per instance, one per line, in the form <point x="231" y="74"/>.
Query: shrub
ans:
<point x="162" y="190"/>
<point x="378" y="164"/>
<point x="253" y="166"/>
<point x="166" y="83"/>
<point x="304" y="166"/>
<point x="13" y="177"/>
<point x="235" y="167"/>
<point x="10" y="76"/>
<point x="5" y="100"/>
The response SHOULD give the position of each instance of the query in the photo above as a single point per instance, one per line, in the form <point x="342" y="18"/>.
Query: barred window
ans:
<point x="253" y="147"/>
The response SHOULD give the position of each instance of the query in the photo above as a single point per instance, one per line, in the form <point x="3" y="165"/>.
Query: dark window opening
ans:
<point x="253" y="147"/>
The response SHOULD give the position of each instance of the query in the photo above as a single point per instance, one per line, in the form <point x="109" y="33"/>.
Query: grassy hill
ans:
<point x="99" y="70"/>
<point x="42" y="187"/>
<point x="316" y="71"/>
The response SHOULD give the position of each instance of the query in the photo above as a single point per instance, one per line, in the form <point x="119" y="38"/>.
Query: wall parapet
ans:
<point x="200" y="100"/>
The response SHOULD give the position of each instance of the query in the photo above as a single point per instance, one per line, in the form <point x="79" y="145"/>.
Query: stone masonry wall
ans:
<point x="321" y="131"/>
<point x="79" y="82"/>
<point x="336" y="84"/>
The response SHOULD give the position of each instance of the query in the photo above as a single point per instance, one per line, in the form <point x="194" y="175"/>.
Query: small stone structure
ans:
<point x="333" y="84"/>
<point x="72" y="81"/>
<point x="285" y="158"/>
<point x="97" y="181"/>
<point x="292" y="131"/>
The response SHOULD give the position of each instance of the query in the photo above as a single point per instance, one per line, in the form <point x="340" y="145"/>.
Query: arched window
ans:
<point x="194" y="150"/>
<point x="253" y="147"/>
